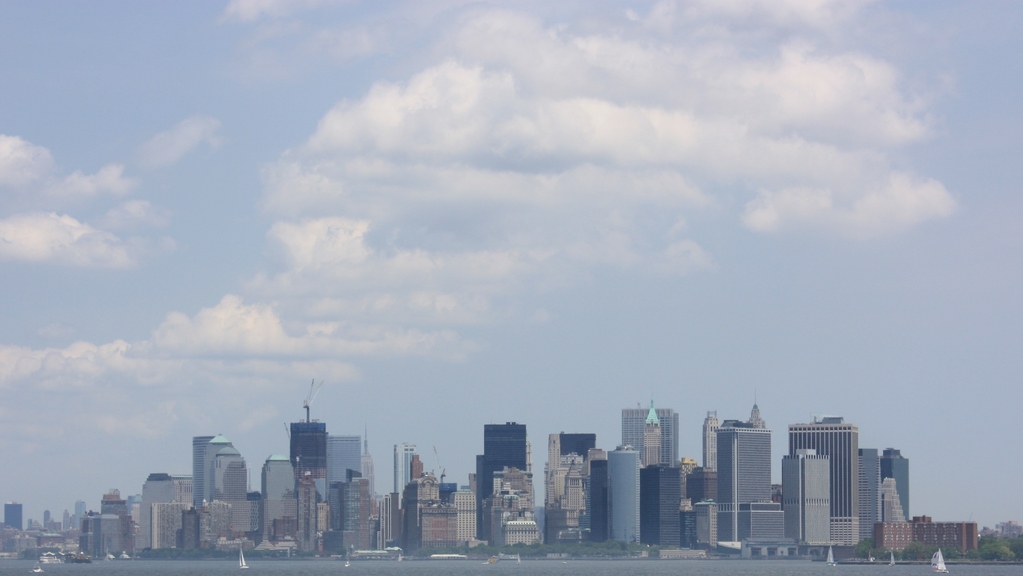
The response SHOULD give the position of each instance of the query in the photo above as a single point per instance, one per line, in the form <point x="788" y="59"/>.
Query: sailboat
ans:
<point x="241" y="560"/>
<point x="891" y="559"/>
<point x="938" y="562"/>
<point x="831" y="557"/>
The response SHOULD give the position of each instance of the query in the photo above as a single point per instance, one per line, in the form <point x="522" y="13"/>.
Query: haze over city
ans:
<point x="458" y="213"/>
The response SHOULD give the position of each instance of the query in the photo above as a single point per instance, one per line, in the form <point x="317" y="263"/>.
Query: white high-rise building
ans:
<point x="710" y="441"/>
<point x="367" y="466"/>
<point x="465" y="504"/>
<point x="806" y="497"/>
<point x="403" y="454"/>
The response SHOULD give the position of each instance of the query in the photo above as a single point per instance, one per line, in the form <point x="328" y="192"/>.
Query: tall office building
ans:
<point x="230" y="481"/>
<point x="213" y="447"/>
<point x="623" y="467"/>
<point x="710" y="441"/>
<point x="199" y="444"/>
<point x="504" y="446"/>
<point x="660" y="490"/>
<point x="280" y="506"/>
<point x="307" y="513"/>
<point x="870" y="491"/>
<point x="343" y="453"/>
<point x="309" y="453"/>
<point x="893" y="465"/>
<point x="404" y="453"/>
<point x="806" y="492"/>
<point x="599" y="498"/>
<point x="158" y="488"/>
<point x="634" y="426"/>
<point x="651" y="455"/>
<point x="831" y="436"/>
<point x="367" y="465"/>
<point x="13" y="516"/>
<point x="743" y="478"/>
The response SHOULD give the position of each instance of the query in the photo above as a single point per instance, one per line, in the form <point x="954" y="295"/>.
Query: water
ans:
<point x="503" y="568"/>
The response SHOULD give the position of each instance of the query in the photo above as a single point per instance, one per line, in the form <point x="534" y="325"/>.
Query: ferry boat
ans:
<point x="50" y="558"/>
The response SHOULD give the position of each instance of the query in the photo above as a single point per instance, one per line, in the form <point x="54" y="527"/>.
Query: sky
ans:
<point x="460" y="213"/>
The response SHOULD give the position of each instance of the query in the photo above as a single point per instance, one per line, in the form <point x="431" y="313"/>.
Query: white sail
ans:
<point x="891" y="559"/>
<point x="938" y="562"/>
<point x="241" y="559"/>
<point x="831" y="557"/>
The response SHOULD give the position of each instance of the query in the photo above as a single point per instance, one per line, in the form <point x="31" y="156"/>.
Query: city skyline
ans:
<point x="459" y="214"/>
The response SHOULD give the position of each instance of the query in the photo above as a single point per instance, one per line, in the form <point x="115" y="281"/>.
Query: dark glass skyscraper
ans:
<point x="870" y="491"/>
<point x="309" y="452"/>
<point x="199" y="444"/>
<point x="660" y="489"/>
<point x="12" y="516"/>
<point x="503" y="445"/>
<point x="600" y="521"/>
<point x="893" y="465"/>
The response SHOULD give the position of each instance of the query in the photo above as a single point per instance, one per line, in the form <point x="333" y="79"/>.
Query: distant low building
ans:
<point x="962" y="536"/>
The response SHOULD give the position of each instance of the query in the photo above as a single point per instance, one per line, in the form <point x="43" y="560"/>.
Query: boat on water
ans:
<point x="124" y="556"/>
<point x="79" y="558"/>
<point x="241" y="560"/>
<point x="831" y="557"/>
<point x="37" y="569"/>
<point x="109" y="556"/>
<point x="50" y="558"/>
<point x="891" y="558"/>
<point x="347" y="563"/>
<point x="938" y="562"/>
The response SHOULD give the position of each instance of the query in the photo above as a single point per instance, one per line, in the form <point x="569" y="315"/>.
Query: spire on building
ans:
<point x="754" y="417"/>
<point x="651" y="417"/>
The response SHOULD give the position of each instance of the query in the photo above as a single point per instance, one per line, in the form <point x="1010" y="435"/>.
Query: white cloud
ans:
<point x="167" y="148"/>
<point x="22" y="162"/>
<point x="61" y="239"/>
<point x="109" y="180"/>
<point x="902" y="201"/>
<point x="251" y="10"/>
<point x="135" y="213"/>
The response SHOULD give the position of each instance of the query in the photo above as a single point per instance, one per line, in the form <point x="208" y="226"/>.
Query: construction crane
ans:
<point x="441" y="468"/>
<point x="314" y="388"/>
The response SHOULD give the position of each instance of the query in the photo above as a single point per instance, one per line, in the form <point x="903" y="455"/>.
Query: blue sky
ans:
<point x="459" y="213"/>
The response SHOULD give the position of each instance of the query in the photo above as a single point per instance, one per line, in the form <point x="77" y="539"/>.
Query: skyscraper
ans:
<point x="893" y="465"/>
<point x="158" y="488"/>
<point x="504" y="445"/>
<point x="280" y="506"/>
<point x="652" y="439"/>
<point x="403" y="455"/>
<point x="213" y="447"/>
<point x="660" y="490"/>
<point x="367" y="465"/>
<point x="831" y="436"/>
<point x="743" y="475"/>
<point x="198" y="471"/>
<point x="598" y="497"/>
<point x="870" y="491"/>
<point x="623" y="470"/>
<point x="710" y="441"/>
<point x="309" y="453"/>
<point x="343" y="453"/>
<point x="13" y="516"/>
<point x="634" y="426"/>
<point x="806" y="490"/>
